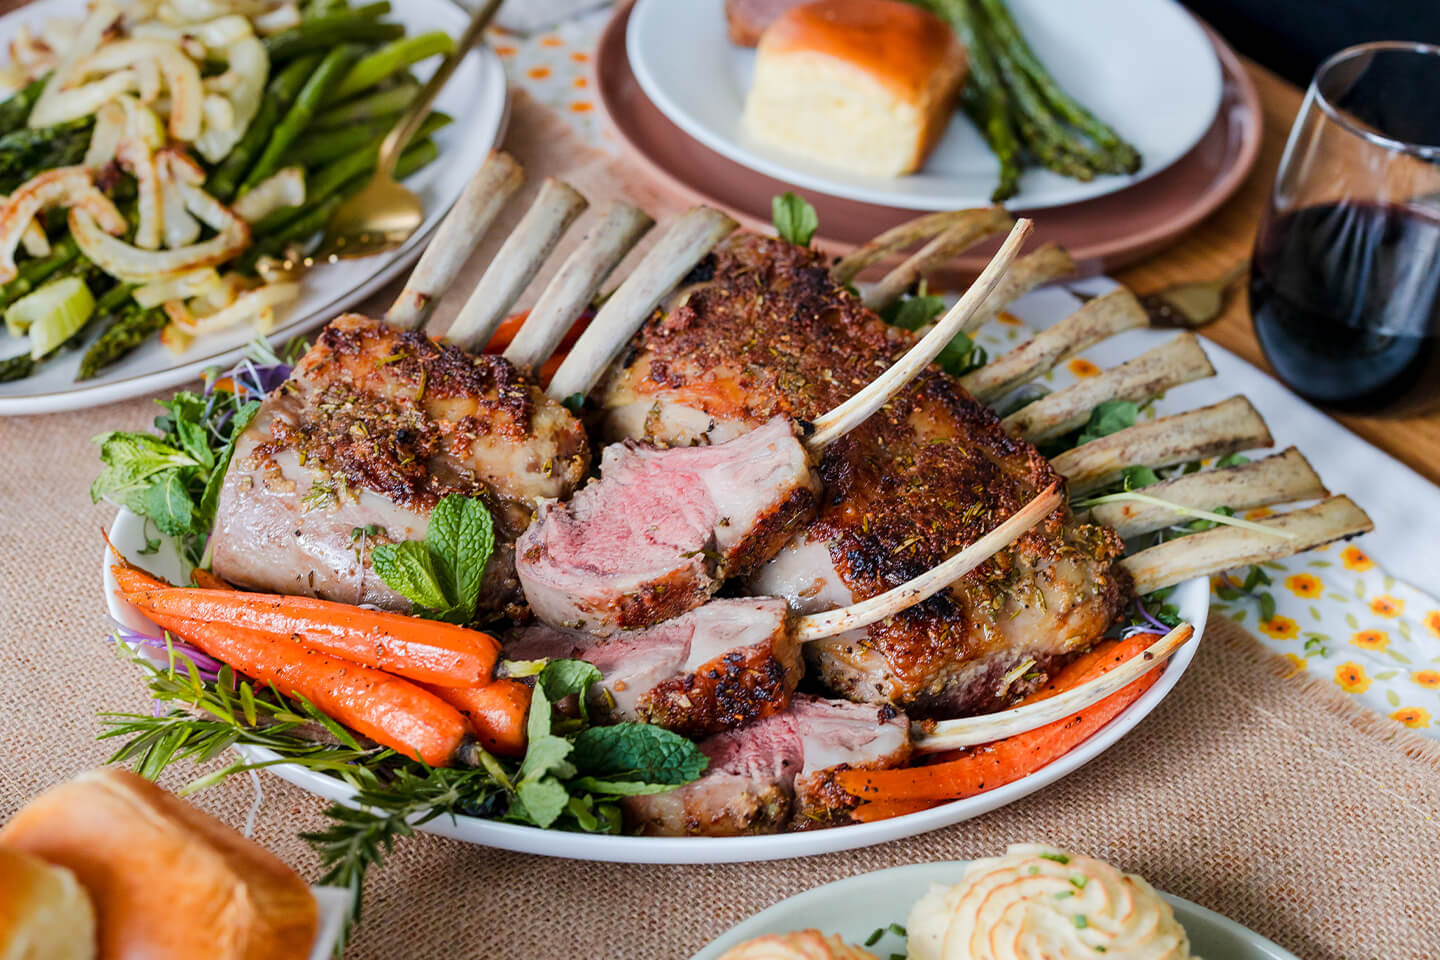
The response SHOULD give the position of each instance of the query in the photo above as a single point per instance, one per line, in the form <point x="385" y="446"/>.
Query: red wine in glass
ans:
<point x="1346" y="304"/>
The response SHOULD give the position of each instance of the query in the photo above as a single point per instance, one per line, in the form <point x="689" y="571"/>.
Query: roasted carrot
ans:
<point x="1095" y="662"/>
<point x="385" y="708"/>
<point x="977" y="769"/>
<point x="505" y="333"/>
<point x="208" y="580"/>
<point x="497" y="713"/>
<point x="885" y="809"/>
<point x="423" y="650"/>
<point x="548" y="368"/>
<point x="134" y="580"/>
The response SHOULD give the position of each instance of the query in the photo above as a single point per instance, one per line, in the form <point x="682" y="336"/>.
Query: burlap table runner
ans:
<point x="1282" y="806"/>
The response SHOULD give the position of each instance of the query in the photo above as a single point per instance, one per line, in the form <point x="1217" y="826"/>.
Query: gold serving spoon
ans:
<point x="384" y="214"/>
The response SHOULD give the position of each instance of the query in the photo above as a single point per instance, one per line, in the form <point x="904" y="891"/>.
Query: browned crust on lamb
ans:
<point x="395" y="412"/>
<point x="772" y="532"/>
<point x="736" y="688"/>
<point x="743" y="340"/>
<point x="664" y="599"/>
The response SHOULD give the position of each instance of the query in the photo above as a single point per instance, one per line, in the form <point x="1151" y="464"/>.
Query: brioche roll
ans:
<point x="168" y="882"/>
<point x="864" y="85"/>
<point x="44" y="912"/>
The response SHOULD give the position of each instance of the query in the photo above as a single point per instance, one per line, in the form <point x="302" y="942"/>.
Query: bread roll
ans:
<point x="864" y="85"/>
<point x="168" y="882"/>
<point x="747" y="20"/>
<point x="44" y="912"/>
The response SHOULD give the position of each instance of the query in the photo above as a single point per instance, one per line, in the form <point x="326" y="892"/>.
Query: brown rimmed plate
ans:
<point x="1102" y="234"/>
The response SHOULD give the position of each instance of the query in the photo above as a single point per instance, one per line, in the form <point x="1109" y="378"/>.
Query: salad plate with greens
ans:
<point x="165" y="165"/>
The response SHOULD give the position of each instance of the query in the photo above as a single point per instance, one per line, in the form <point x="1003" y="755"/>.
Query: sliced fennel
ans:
<point x="51" y="314"/>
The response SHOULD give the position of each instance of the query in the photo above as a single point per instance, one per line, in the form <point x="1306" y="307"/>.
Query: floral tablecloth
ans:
<point x="1338" y="616"/>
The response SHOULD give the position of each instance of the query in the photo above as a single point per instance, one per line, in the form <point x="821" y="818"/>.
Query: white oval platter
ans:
<point x="128" y="534"/>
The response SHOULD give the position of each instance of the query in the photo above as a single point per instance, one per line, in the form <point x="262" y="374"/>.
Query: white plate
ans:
<point x="857" y="906"/>
<point x="1145" y="66"/>
<point x="1193" y="598"/>
<point x="475" y="96"/>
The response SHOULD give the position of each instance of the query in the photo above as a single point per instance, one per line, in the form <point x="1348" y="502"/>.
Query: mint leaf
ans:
<point x="210" y="498"/>
<point x="543" y="799"/>
<point x="562" y="678"/>
<point x="638" y="753"/>
<point x="168" y="503"/>
<point x="795" y="220"/>
<point x="1109" y="417"/>
<point x="130" y="460"/>
<point x="408" y="569"/>
<point x="461" y="537"/>
<point x="912" y="313"/>
<point x="961" y="355"/>
<point x="620" y="788"/>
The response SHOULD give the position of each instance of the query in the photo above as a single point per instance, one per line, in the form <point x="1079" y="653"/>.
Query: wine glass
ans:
<point x="1345" y="282"/>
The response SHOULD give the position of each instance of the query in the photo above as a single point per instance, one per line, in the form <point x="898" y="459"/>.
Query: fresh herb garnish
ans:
<point x="795" y="220"/>
<point x="1057" y="857"/>
<point x="441" y="574"/>
<point x="571" y="777"/>
<point x="1110" y="416"/>
<point x="961" y="355"/>
<point x="173" y="479"/>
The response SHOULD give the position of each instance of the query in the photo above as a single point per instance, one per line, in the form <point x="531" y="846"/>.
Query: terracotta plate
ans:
<point x="1102" y="234"/>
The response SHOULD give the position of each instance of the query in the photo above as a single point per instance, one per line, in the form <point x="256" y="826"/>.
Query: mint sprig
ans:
<point x="441" y="574"/>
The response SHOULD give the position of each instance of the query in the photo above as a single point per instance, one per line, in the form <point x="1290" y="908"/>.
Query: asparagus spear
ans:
<point x="272" y="235"/>
<point x="26" y="152"/>
<point x="17" y="367"/>
<point x="359" y="25"/>
<point x="280" y="93"/>
<point x="984" y="98"/>
<point x="1118" y="156"/>
<point x="32" y="273"/>
<point x="390" y="60"/>
<point x="15" y="111"/>
<point x="326" y="75"/>
<point x="129" y="328"/>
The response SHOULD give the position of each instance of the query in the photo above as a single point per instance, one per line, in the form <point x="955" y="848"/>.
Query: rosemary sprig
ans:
<point x="572" y="779"/>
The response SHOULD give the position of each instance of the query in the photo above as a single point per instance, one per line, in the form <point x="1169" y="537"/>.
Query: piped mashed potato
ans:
<point x="1040" y="903"/>
<point x="800" y="945"/>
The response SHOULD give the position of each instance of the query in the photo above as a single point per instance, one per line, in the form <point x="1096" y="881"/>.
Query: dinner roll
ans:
<point x="44" y="913"/>
<point x="863" y="85"/>
<point x="168" y="882"/>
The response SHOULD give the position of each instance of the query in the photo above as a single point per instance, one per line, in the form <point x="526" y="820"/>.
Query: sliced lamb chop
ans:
<point x="730" y="662"/>
<point x="662" y="529"/>
<point x="777" y="773"/>
<point x="717" y="667"/>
